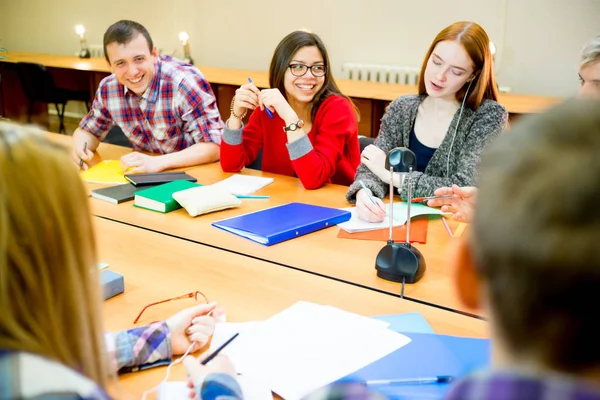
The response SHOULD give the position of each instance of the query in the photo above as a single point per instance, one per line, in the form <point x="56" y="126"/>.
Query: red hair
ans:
<point x="477" y="45"/>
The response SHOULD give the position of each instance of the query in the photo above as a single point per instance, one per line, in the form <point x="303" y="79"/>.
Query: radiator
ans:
<point x="96" y="50"/>
<point x="381" y="73"/>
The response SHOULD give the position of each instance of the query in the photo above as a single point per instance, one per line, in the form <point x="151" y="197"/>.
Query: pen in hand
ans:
<point x="217" y="351"/>
<point x="426" y="199"/>
<point x="269" y="113"/>
<point x="81" y="159"/>
<point x="368" y="192"/>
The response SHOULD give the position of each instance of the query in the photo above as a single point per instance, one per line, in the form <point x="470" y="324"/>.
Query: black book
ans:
<point x="158" y="178"/>
<point x="117" y="194"/>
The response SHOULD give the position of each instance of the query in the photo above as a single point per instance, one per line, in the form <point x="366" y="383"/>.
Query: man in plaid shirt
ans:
<point x="163" y="105"/>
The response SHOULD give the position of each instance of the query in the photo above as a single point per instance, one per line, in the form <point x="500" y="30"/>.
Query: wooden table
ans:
<point x="370" y="97"/>
<point x="320" y="253"/>
<point x="158" y="266"/>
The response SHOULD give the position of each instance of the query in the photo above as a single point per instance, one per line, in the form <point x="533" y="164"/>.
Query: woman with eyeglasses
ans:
<point x="303" y="125"/>
<point x="52" y="343"/>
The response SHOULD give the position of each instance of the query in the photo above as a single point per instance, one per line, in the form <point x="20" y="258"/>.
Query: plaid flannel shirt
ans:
<point x="25" y="375"/>
<point x="177" y="110"/>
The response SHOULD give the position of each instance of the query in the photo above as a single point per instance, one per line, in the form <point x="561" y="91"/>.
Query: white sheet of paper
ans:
<point x="251" y="390"/>
<point x="308" y="346"/>
<point x="243" y="184"/>
<point x="355" y="224"/>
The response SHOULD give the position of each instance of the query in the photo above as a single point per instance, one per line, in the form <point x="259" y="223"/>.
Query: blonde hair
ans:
<point x="49" y="286"/>
<point x="591" y="52"/>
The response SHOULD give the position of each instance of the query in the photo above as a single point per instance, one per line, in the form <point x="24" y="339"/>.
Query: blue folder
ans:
<point x="406" y="322"/>
<point x="277" y="224"/>
<point x="427" y="355"/>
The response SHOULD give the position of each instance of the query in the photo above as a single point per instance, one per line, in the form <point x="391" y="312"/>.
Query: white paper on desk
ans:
<point x="308" y="346"/>
<point x="243" y="184"/>
<point x="355" y="224"/>
<point x="251" y="390"/>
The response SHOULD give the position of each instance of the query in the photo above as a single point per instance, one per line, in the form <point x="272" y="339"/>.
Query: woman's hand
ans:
<point x="462" y="204"/>
<point x="366" y="210"/>
<point x="194" y="324"/>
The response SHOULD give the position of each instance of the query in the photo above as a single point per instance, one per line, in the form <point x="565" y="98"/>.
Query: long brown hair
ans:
<point x="49" y="286"/>
<point x="477" y="45"/>
<point x="283" y="54"/>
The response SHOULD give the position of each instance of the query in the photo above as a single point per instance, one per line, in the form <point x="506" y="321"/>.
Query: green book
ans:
<point x="160" y="198"/>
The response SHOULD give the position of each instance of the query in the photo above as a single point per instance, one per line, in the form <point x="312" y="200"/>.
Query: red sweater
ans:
<point x="330" y="154"/>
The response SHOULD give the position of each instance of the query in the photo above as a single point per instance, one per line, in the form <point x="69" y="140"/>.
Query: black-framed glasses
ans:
<point x="301" y="70"/>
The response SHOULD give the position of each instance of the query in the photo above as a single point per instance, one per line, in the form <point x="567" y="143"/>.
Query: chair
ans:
<point x="257" y="163"/>
<point x="38" y="85"/>
<point x="116" y="136"/>
<point x="364" y="141"/>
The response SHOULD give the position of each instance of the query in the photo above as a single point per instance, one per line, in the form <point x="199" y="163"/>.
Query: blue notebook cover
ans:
<point x="406" y="322"/>
<point x="425" y="356"/>
<point x="277" y="224"/>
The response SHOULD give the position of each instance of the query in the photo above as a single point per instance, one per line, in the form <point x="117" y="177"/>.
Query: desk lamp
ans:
<point x="84" y="52"/>
<point x="184" y="38"/>
<point x="400" y="262"/>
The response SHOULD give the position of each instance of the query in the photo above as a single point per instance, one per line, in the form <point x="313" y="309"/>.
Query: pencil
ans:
<point x="81" y="159"/>
<point x="250" y="196"/>
<point x="447" y="226"/>
<point x="217" y="351"/>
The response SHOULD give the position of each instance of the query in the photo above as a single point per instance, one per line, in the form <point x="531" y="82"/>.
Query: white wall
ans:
<point x="538" y="41"/>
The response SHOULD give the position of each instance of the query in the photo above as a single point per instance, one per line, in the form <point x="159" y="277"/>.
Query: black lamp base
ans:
<point x="84" y="53"/>
<point x="400" y="262"/>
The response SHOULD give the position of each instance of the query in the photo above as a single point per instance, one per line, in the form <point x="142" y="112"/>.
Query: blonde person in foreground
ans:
<point x="447" y="125"/>
<point x="52" y="342"/>
<point x="463" y="203"/>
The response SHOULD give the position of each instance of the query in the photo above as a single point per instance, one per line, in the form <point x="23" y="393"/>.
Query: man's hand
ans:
<point x="138" y="163"/>
<point x="84" y="145"/>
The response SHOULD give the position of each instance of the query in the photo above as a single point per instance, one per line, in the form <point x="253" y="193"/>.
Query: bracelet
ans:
<point x="233" y="114"/>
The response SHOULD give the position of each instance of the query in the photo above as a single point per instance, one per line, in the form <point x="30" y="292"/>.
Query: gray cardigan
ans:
<point x="475" y="131"/>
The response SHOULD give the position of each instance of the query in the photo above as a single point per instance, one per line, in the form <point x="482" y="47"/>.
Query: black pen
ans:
<point x="81" y="159"/>
<point x="217" y="351"/>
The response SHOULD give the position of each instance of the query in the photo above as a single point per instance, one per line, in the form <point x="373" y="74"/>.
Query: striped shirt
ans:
<point x="177" y="110"/>
<point x="25" y="375"/>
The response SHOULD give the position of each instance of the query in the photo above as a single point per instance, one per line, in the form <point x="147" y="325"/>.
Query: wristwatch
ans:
<point x="293" y="126"/>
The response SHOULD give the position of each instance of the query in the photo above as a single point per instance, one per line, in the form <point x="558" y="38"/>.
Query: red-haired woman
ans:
<point x="447" y="125"/>
<point x="311" y="129"/>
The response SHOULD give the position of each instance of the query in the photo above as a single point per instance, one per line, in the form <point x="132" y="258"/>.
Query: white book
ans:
<point x="243" y="184"/>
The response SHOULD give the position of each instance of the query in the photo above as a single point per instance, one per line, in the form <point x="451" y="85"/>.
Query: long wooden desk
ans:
<point x="370" y="97"/>
<point x="321" y="253"/>
<point x="157" y="266"/>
